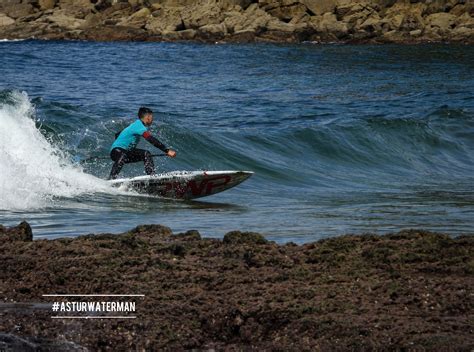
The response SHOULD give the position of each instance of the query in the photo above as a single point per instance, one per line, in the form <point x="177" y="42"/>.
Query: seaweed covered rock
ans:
<point x="237" y="237"/>
<point x="22" y="232"/>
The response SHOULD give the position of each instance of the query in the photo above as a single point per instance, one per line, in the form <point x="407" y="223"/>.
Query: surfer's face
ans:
<point x="147" y="119"/>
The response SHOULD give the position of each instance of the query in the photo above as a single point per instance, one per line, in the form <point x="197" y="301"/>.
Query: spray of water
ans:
<point x="33" y="172"/>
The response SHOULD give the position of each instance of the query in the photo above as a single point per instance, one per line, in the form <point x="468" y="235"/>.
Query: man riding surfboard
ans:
<point x="124" y="149"/>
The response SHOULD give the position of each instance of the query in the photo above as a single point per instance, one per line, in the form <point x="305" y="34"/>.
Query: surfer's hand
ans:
<point x="171" y="153"/>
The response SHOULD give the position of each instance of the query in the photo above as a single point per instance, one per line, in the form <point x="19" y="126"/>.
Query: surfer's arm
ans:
<point x="147" y="135"/>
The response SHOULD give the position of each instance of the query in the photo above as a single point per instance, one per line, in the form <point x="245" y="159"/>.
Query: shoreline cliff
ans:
<point x="285" y="21"/>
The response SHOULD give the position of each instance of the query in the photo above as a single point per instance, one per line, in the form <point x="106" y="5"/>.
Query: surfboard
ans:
<point x="183" y="184"/>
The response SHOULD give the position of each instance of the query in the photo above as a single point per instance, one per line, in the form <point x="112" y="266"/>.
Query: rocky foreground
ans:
<point x="378" y="21"/>
<point x="410" y="290"/>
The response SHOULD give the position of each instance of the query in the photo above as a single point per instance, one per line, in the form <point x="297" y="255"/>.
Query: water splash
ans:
<point x="33" y="172"/>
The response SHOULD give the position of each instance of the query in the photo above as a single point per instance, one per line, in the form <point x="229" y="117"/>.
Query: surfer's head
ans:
<point x="146" y="115"/>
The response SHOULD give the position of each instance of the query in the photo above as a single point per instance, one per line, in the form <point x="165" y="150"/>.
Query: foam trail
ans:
<point x="33" y="173"/>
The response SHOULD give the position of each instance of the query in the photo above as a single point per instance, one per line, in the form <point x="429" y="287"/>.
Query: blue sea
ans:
<point x="342" y="138"/>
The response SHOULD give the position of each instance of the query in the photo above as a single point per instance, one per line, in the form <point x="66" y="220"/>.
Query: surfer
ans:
<point x="124" y="151"/>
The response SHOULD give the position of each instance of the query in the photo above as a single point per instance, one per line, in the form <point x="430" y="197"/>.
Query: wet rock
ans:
<point x="11" y="342"/>
<point x="237" y="237"/>
<point x="22" y="232"/>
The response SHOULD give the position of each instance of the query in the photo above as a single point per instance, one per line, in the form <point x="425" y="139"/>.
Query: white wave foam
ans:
<point x="11" y="40"/>
<point x="33" y="173"/>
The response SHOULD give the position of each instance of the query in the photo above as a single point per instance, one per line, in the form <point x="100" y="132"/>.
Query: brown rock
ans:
<point x="215" y="31"/>
<point x="92" y="20"/>
<point x="19" y="10"/>
<point x="169" y="20"/>
<point x="137" y="19"/>
<point x="465" y="21"/>
<point x="444" y="21"/>
<point x="61" y="19"/>
<point x="115" y="33"/>
<point x="253" y="19"/>
<point x="22" y="232"/>
<point x="372" y="24"/>
<point x="244" y="36"/>
<point x="188" y="34"/>
<point x="287" y="13"/>
<point x="416" y="33"/>
<point x="463" y="33"/>
<point x="276" y="25"/>
<point x="202" y="14"/>
<point x="319" y="7"/>
<point x="47" y="4"/>
<point x="329" y="24"/>
<point x="5" y="20"/>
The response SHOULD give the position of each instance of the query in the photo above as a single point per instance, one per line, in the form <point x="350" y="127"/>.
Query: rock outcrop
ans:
<point x="377" y="21"/>
<point x="405" y="291"/>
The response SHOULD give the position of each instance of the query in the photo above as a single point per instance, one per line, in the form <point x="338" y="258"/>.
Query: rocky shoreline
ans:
<point x="291" y="21"/>
<point x="410" y="290"/>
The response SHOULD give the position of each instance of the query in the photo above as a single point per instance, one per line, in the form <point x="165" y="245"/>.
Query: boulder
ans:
<point x="253" y="19"/>
<point x="244" y="36"/>
<point x="372" y="24"/>
<point x="22" y="232"/>
<point x="201" y="14"/>
<point x="463" y="33"/>
<point x="214" y="30"/>
<point x="444" y="21"/>
<point x="47" y="4"/>
<point x="416" y="33"/>
<point x="137" y="19"/>
<point x="319" y="7"/>
<point x="168" y="20"/>
<point x="61" y="19"/>
<point x="404" y="17"/>
<point x="287" y="13"/>
<point x="277" y="25"/>
<point x="18" y="10"/>
<point x="76" y="8"/>
<point x="465" y="21"/>
<point x="92" y="20"/>
<point x="347" y="10"/>
<point x="5" y="20"/>
<point x="392" y="23"/>
<point x="188" y="34"/>
<point x="355" y="19"/>
<point x="329" y="24"/>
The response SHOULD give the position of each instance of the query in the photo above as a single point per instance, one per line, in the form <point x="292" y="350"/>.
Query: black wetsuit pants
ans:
<point x="121" y="157"/>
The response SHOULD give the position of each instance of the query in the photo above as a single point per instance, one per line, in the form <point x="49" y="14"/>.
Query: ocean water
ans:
<point x="342" y="138"/>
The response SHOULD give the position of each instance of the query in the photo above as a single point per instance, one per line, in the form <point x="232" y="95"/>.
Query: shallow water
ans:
<point x="341" y="138"/>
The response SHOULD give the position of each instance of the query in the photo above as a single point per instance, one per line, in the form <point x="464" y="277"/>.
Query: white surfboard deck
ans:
<point x="183" y="184"/>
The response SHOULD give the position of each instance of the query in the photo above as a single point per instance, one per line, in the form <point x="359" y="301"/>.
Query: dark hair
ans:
<point x="144" y="111"/>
